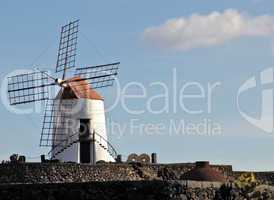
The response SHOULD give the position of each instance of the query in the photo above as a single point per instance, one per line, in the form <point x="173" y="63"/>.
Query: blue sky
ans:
<point x="115" y="32"/>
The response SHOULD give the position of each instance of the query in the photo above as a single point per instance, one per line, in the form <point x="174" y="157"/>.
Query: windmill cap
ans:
<point x="81" y="89"/>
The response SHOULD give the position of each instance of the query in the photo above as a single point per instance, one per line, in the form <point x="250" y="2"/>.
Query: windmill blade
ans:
<point x="99" y="76"/>
<point x="67" y="47"/>
<point x="57" y="123"/>
<point x="29" y="87"/>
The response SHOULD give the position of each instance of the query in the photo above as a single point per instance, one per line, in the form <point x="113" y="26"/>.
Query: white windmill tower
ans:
<point x="74" y="124"/>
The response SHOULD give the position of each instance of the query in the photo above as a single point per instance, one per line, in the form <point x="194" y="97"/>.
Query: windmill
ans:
<point x="74" y="124"/>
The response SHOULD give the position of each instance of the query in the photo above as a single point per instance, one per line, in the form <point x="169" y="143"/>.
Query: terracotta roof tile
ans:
<point x="82" y="89"/>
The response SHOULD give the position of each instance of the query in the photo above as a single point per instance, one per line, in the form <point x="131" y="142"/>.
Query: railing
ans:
<point x="61" y="144"/>
<point x="109" y="147"/>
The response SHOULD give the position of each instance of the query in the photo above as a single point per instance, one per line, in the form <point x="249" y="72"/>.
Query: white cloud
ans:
<point x="216" y="28"/>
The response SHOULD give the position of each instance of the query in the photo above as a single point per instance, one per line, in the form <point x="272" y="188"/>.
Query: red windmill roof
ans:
<point x="80" y="89"/>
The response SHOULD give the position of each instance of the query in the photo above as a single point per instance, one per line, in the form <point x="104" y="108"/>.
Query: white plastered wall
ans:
<point x="84" y="109"/>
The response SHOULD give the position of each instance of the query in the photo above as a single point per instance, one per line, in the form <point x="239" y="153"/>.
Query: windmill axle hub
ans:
<point x="61" y="82"/>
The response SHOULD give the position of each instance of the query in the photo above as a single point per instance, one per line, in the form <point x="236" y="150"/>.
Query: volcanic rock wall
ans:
<point x="124" y="190"/>
<point x="112" y="181"/>
<point x="92" y="190"/>
<point x="68" y="172"/>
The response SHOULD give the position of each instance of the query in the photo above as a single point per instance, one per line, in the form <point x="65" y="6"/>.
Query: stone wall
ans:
<point x="181" y="168"/>
<point x="68" y="172"/>
<point x="92" y="190"/>
<point x="125" y="190"/>
<point x="64" y="173"/>
<point x="114" y="181"/>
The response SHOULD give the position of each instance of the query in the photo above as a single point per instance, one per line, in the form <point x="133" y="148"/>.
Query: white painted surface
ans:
<point x="82" y="109"/>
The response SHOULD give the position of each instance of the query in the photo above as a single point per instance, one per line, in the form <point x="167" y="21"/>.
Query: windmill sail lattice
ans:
<point x="99" y="76"/>
<point x="56" y="121"/>
<point x="67" y="47"/>
<point x="29" y="87"/>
